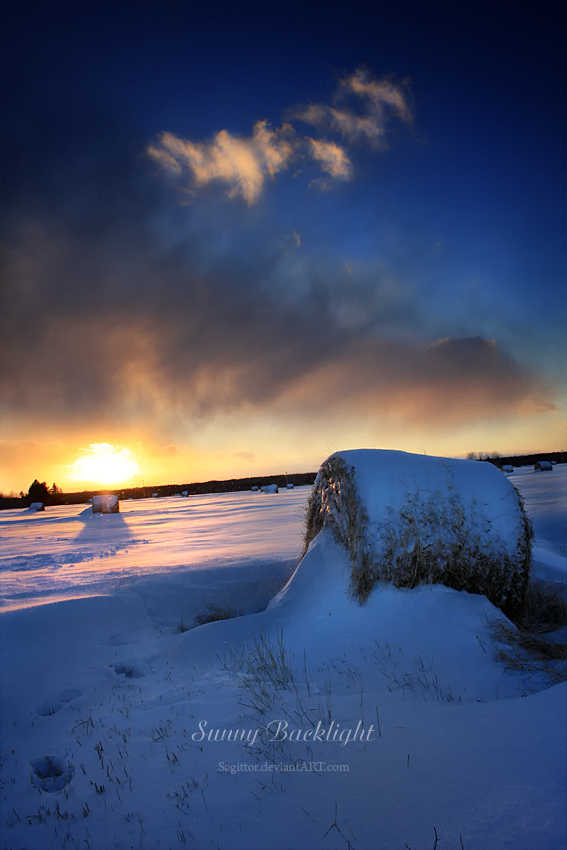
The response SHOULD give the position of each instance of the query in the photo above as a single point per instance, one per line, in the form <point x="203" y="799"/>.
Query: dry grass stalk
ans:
<point x="523" y="651"/>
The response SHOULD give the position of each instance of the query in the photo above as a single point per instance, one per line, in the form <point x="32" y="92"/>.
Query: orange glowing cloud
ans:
<point x="361" y="112"/>
<point x="332" y="157"/>
<point x="241" y="163"/>
<point x="362" y="109"/>
<point x="449" y="383"/>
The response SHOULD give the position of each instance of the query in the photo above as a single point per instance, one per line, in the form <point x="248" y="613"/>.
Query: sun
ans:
<point x="105" y="464"/>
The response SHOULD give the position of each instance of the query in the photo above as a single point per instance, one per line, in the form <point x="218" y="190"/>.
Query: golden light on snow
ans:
<point x="105" y="464"/>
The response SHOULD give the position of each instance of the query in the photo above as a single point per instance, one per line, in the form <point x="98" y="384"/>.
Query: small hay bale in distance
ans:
<point x="543" y="466"/>
<point x="37" y="506"/>
<point x="414" y="519"/>
<point x="106" y="504"/>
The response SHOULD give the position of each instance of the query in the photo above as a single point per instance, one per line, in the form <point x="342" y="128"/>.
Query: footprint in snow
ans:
<point x="51" y="773"/>
<point x="129" y="671"/>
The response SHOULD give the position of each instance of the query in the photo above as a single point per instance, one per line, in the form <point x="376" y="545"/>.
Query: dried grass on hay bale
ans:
<point x="458" y="523"/>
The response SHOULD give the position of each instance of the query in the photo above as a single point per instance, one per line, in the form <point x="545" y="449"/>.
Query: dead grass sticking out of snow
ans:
<point x="532" y="646"/>
<point x="214" y="614"/>
<point x="264" y="672"/>
<point x="545" y="609"/>
<point x="523" y="651"/>
<point x="262" y="667"/>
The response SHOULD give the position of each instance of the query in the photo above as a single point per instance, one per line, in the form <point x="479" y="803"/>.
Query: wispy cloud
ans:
<point x="360" y="112"/>
<point x="243" y="164"/>
<point x="383" y="96"/>
<point x="162" y="155"/>
<point x="362" y="109"/>
<point x="332" y="157"/>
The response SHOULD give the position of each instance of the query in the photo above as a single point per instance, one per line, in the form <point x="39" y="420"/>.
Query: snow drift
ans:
<point x="413" y="519"/>
<point x="104" y="697"/>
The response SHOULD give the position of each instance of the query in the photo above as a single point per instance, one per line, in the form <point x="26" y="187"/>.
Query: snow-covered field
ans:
<point x="317" y="723"/>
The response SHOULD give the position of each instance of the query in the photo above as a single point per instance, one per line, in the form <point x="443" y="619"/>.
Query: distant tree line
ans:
<point x="517" y="460"/>
<point x="494" y="457"/>
<point x="40" y="492"/>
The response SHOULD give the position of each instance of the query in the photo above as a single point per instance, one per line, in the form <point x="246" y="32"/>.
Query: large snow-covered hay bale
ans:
<point x="37" y="506"/>
<point x="543" y="466"/>
<point x="412" y="519"/>
<point x="106" y="504"/>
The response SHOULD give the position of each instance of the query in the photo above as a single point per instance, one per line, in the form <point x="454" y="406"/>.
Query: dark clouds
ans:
<point x="447" y="384"/>
<point x="120" y="303"/>
<point x="103" y="319"/>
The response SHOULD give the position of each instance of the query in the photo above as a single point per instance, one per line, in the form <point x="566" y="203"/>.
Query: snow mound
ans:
<point x="413" y="519"/>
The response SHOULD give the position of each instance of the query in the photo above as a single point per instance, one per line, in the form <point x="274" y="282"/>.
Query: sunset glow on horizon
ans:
<point x="106" y="465"/>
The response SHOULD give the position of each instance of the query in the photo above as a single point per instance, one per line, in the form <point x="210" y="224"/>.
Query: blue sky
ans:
<point x="238" y="236"/>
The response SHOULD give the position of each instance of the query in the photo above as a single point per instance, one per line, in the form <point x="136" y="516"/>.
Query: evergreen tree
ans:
<point x="39" y="492"/>
<point x="55" y="495"/>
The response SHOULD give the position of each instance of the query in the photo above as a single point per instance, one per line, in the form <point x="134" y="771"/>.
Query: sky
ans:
<point x="237" y="237"/>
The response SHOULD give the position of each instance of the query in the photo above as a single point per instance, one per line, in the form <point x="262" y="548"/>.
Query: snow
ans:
<point x="546" y="498"/>
<point x="387" y="480"/>
<point x="69" y="551"/>
<point x="110" y="709"/>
